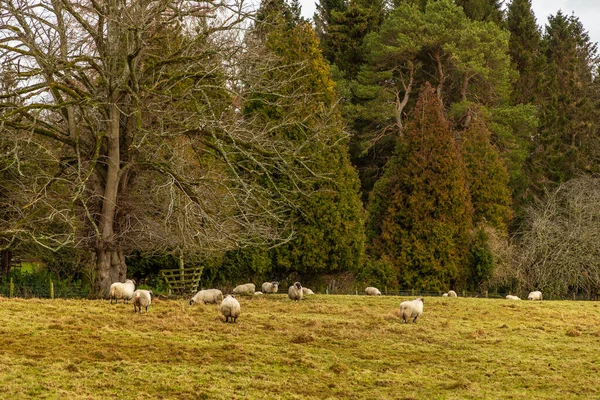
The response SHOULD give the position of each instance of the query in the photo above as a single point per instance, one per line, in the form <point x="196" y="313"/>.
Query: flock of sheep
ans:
<point x="230" y="307"/>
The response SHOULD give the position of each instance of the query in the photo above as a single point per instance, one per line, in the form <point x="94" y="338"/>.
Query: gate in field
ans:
<point x="182" y="281"/>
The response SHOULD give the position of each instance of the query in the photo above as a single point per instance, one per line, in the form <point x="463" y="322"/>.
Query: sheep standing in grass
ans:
<point x="452" y="293"/>
<point x="445" y="295"/>
<point x="537" y="295"/>
<point x="511" y="297"/>
<point x="411" y="309"/>
<point x="141" y="298"/>
<point x="214" y="296"/>
<point x="270" y="287"/>
<point x="306" y="291"/>
<point x="123" y="291"/>
<point x="295" y="291"/>
<point x="248" y="288"/>
<point x="372" y="291"/>
<point x="230" y="308"/>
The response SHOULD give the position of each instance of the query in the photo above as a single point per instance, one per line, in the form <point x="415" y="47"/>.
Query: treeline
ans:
<point x="406" y="144"/>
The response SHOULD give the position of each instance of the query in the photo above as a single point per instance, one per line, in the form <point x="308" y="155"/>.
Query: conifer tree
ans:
<point x="482" y="10"/>
<point x="420" y="211"/>
<point x="487" y="177"/>
<point x="525" y="52"/>
<point x="328" y="224"/>
<point x="567" y="144"/>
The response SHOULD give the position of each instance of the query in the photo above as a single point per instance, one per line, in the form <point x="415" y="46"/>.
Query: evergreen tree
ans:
<point x="328" y="224"/>
<point x="420" y="211"/>
<point x="487" y="177"/>
<point x="525" y="52"/>
<point x="482" y="10"/>
<point x="343" y="27"/>
<point x="567" y="144"/>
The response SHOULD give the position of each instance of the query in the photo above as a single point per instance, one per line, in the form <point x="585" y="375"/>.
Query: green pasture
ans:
<point x="325" y="347"/>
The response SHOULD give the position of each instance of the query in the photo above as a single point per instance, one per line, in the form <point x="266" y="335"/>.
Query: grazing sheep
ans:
<point x="123" y="291"/>
<point x="511" y="297"/>
<point x="445" y="295"/>
<point x="270" y="287"/>
<point x="411" y="309"/>
<point x="452" y="293"/>
<point x="372" y="291"/>
<point x="537" y="295"/>
<point x="295" y="291"/>
<point x="230" y="308"/>
<point x="306" y="291"/>
<point x="258" y="293"/>
<point x="214" y="296"/>
<point x="248" y="288"/>
<point x="141" y="298"/>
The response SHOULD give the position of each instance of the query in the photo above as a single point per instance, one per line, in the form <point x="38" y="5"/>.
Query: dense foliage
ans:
<point x="252" y="143"/>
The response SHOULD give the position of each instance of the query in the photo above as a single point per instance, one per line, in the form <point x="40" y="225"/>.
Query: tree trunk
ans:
<point x="5" y="258"/>
<point x="110" y="263"/>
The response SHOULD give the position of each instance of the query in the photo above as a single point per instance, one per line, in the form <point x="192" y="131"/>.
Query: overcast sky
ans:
<point x="588" y="12"/>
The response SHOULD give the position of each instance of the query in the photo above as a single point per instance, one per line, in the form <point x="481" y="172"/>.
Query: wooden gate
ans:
<point x="182" y="281"/>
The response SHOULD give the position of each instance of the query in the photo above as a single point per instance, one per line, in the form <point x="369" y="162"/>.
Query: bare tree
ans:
<point x="559" y="244"/>
<point x="143" y="102"/>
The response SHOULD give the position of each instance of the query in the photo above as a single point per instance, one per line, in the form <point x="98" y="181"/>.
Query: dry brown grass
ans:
<point x="327" y="347"/>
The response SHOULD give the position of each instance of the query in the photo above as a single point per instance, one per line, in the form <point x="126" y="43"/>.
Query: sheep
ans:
<point x="258" y="293"/>
<point x="372" y="291"/>
<point x="230" y="308"/>
<point x="248" y="288"/>
<point x="214" y="296"/>
<point x="511" y="297"/>
<point x="537" y="295"/>
<point x="306" y="291"/>
<point x="123" y="291"/>
<point x="410" y="309"/>
<point x="141" y="298"/>
<point x="445" y="295"/>
<point x="270" y="287"/>
<point x="295" y="291"/>
<point x="452" y="293"/>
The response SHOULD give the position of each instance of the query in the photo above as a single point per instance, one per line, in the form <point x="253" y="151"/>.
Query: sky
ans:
<point x="588" y="12"/>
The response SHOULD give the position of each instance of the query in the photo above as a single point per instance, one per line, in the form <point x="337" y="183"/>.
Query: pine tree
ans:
<point x="567" y="144"/>
<point x="420" y="211"/>
<point x="482" y="10"/>
<point x="525" y="52"/>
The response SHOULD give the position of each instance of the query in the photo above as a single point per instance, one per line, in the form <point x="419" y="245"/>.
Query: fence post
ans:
<point x="386" y="290"/>
<point x="486" y="294"/>
<point x="412" y="292"/>
<point x="51" y="289"/>
<point x="11" y="290"/>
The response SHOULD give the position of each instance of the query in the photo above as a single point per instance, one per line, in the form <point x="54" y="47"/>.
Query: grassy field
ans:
<point x="326" y="347"/>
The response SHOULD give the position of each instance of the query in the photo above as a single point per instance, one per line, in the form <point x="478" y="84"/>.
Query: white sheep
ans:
<point x="452" y="293"/>
<point x="295" y="291"/>
<point x="248" y="288"/>
<point x="270" y="287"/>
<point x="537" y="295"/>
<point x="511" y="297"/>
<point x="372" y="291"/>
<point x="411" y="309"/>
<point x="230" y="308"/>
<point x="306" y="291"/>
<point x="214" y="296"/>
<point x="258" y="293"/>
<point x="141" y="298"/>
<point x="445" y="295"/>
<point x="123" y="291"/>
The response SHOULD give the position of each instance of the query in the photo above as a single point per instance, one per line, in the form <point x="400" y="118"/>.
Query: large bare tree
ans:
<point x="143" y="102"/>
<point x="559" y="250"/>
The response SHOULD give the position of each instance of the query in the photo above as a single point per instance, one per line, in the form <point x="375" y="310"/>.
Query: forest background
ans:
<point x="428" y="145"/>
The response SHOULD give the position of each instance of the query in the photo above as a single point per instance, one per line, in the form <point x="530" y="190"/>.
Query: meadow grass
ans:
<point x="325" y="347"/>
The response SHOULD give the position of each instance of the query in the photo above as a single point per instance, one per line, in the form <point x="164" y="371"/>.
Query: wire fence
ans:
<point x="25" y="287"/>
